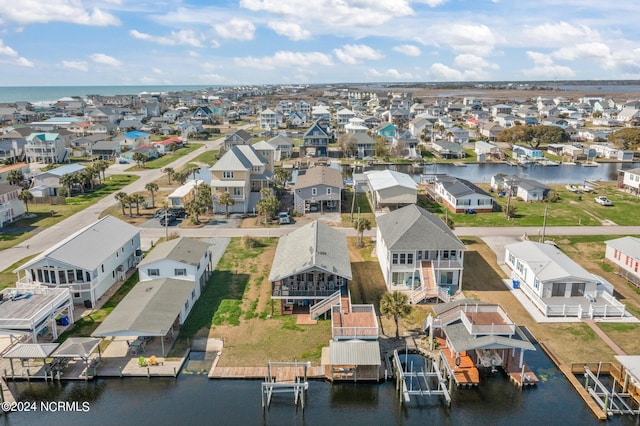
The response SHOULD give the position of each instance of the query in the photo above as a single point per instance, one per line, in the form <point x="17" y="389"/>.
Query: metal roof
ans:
<point x="76" y="347"/>
<point x="630" y="246"/>
<point x="414" y="228"/>
<point x="632" y="364"/>
<point x="184" y="250"/>
<point x="60" y="171"/>
<point x="382" y="179"/>
<point x="354" y="352"/>
<point x="149" y="309"/>
<point x="547" y="261"/>
<point x="239" y="157"/>
<point x="461" y="340"/>
<point x="313" y="245"/>
<point x="30" y="350"/>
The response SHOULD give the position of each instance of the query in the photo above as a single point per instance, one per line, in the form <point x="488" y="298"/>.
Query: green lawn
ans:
<point x="47" y="215"/>
<point x="362" y="202"/>
<point x="166" y="159"/>
<point x="207" y="157"/>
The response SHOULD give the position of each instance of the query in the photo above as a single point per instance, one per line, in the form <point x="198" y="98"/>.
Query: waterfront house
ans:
<point x="11" y="207"/>
<point x="114" y="248"/>
<point x="311" y="265"/>
<point x="447" y="149"/>
<point x="283" y="145"/>
<point x="181" y="258"/>
<point x="242" y="172"/>
<point x="487" y="151"/>
<point x="352" y="361"/>
<point x="365" y="145"/>
<point x="318" y="189"/>
<point x="462" y="196"/>
<point x="50" y="180"/>
<point x="419" y="254"/>
<point x="524" y="153"/>
<point x="625" y="254"/>
<point x="557" y="285"/>
<point x="519" y="187"/>
<point x="47" y="148"/>
<point x="630" y="180"/>
<point x="391" y="188"/>
<point x="607" y="150"/>
<point x="315" y="141"/>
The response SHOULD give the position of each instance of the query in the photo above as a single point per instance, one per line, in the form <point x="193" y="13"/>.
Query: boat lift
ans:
<point x="298" y="385"/>
<point x="611" y="401"/>
<point x="424" y="381"/>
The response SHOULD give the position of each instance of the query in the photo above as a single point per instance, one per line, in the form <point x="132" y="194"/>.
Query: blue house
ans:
<point x="526" y="153"/>
<point x="315" y="141"/>
<point x="386" y="130"/>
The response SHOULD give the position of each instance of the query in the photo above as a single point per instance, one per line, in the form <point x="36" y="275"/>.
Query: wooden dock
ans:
<point x="282" y="374"/>
<point x="521" y="376"/>
<point x="465" y="373"/>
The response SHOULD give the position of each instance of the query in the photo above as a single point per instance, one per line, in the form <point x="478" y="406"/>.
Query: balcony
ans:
<point x="359" y="322"/>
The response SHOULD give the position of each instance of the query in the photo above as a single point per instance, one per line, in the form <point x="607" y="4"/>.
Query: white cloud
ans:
<point x="595" y="50"/>
<point x="285" y="59"/>
<point x="193" y="54"/>
<point x="464" y="38"/>
<point x="361" y="13"/>
<point x="157" y="71"/>
<point x="6" y="50"/>
<point x="539" y="58"/>
<point x="102" y="59"/>
<point x="553" y="34"/>
<point x="549" y="72"/>
<point x="391" y="73"/>
<point x="182" y="37"/>
<point x="468" y="61"/>
<point x="432" y="3"/>
<point x="238" y="29"/>
<point x="355" y="53"/>
<point x="208" y="66"/>
<point x="76" y="65"/>
<point x="290" y="30"/>
<point x="24" y="62"/>
<point x="214" y="43"/>
<point x="408" y="49"/>
<point x="442" y="72"/>
<point x="72" y="11"/>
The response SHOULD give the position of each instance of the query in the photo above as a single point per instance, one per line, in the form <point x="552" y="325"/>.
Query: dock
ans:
<point x="520" y="376"/>
<point x="462" y="368"/>
<point x="281" y="374"/>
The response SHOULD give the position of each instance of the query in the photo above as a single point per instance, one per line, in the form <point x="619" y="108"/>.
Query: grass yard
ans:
<point x="47" y="215"/>
<point x="166" y="159"/>
<point x="362" y="202"/>
<point x="7" y="277"/>
<point x="208" y="157"/>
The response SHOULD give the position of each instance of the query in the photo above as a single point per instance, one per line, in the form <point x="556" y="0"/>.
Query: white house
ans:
<point x="87" y="262"/>
<point x="631" y="181"/>
<point x="461" y="196"/>
<point x="419" y="254"/>
<point x="283" y="145"/>
<point x="268" y="119"/>
<point x="557" y="285"/>
<point x="48" y="148"/>
<point x="49" y="181"/>
<point x="625" y="254"/>
<point x="388" y="187"/>
<point x="10" y="206"/>
<point x="183" y="259"/>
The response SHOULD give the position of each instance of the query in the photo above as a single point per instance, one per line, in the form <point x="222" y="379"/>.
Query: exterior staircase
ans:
<point x="321" y="307"/>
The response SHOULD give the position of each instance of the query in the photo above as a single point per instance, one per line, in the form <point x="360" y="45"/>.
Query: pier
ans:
<point x="297" y="385"/>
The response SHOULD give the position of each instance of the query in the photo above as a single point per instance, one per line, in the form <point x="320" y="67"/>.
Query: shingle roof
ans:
<point x="239" y="157"/>
<point x="184" y="250"/>
<point x="313" y="245"/>
<point x="414" y="228"/>
<point x="460" y="187"/>
<point x="320" y="176"/>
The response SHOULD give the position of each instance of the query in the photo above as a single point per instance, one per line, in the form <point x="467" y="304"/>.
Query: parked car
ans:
<point x="167" y="220"/>
<point x="604" y="201"/>
<point x="283" y="218"/>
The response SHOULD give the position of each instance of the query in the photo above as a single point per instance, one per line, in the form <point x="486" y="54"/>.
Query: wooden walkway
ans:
<point x="464" y="374"/>
<point x="282" y="374"/>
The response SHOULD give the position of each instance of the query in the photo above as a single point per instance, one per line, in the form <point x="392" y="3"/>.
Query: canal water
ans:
<point x="194" y="399"/>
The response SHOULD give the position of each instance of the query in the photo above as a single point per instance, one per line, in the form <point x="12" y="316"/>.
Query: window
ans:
<point x="153" y="272"/>
<point x="193" y="294"/>
<point x="395" y="258"/>
<point x="328" y="191"/>
<point x="403" y="258"/>
<point x="186" y="305"/>
<point x="76" y="294"/>
<point x="577" y="289"/>
<point x="227" y="175"/>
<point x="256" y="168"/>
<point x="410" y="258"/>
<point x="180" y="272"/>
<point x="536" y="284"/>
<point x="558" y="289"/>
<point x="314" y="191"/>
<point x="113" y="274"/>
<point x="102" y="268"/>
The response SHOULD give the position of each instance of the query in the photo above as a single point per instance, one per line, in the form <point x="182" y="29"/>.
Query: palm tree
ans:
<point x="67" y="180"/>
<point x="361" y="224"/>
<point x="195" y="208"/>
<point x="169" y="172"/>
<point x="101" y="166"/>
<point x="137" y="198"/>
<point x="130" y="199"/>
<point x="152" y="187"/>
<point x="87" y="176"/>
<point x="179" y="177"/>
<point x="121" y="197"/>
<point x="25" y="196"/>
<point x="15" y="177"/>
<point x="139" y="158"/>
<point x="395" y="304"/>
<point x="225" y="200"/>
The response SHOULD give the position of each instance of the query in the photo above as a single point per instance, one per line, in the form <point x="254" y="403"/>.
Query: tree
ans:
<point x="268" y="205"/>
<point x="130" y="200"/>
<point x="25" y="196"/>
<point x="347" y="144"/>
<point x="361" y="224"/>
<point x="180" y="177"/>
<point x="15" y="177"/>
<point x="137" y="198"/>
<point x="101" y="166"/>
<point x="169" y="172"/>
<point x="281" y="176"/>
<point x="203" y="194"/>
<point x="627" y="138"/>
<point x="396" y="305"/>
<point x="139" y="158"/>
<point x="380" y="149"/>
<point x="191" y="170"/>
<point x="172" y="147"/>
<point x="68" y="180"/>
<point x="225" y="200"/>
<point x="152" y="187"/>
<point x="195" y="208"/>
<point x="87" y="175"/>
<point x="121" y="197"/>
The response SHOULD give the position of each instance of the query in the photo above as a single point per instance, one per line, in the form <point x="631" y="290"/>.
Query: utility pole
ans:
<point x="544" y="221"/>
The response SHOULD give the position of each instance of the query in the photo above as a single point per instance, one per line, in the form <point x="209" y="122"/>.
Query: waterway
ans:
<point x="194" y="399"/>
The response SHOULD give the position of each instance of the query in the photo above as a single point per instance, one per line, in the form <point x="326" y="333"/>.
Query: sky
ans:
<point x="242" y="42"/>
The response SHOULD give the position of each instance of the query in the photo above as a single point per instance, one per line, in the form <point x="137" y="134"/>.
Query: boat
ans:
<point x="459" y="164"/>
<point x="572" y="188"/>
<point x="548" y="163"/>
<point x="590" y="164"/>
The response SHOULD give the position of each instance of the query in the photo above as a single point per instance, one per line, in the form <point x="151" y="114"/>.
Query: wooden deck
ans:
<point x="465" y="374"/>
<point x="429" y="282"/>
<point x="282" y="374"/>
<point x="485" y="318"/>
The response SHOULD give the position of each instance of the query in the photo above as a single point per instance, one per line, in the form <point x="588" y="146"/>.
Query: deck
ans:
<point x="282" y="374"/>
<point x="515" y="373"/>
<point x="464" y="374"/>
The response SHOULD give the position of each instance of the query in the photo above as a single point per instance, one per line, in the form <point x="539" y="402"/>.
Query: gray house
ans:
<point x="318" y="189"/>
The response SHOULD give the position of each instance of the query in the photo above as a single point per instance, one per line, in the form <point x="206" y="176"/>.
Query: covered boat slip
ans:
<point x="150" y="309"/>
<point x="352" y="360"/>
<point x="33" y="310"/>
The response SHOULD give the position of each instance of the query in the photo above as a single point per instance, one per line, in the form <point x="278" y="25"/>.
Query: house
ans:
<point x="5" y="170"/>
<point x="353" y="360"/>
<point x="296" y="119"/>
<point x="134" y="139"/>
<point x="364" y="144"/>
<point x="405" y="145"/>
<point x="475" y="334"/>
<point x="523" y="153"/>
<point x="458" y="135"/>
<point x="149" y="151"/>
<point x="625" y="254"/>
<point x="557" y="285"/>
<point x="388" y="187"/>
<point x="204" y="115"/>
<point x="51" y="178"/>
<point x="283" y="145"/>
<point x="239" y="137"/>
<point x="183" y="194"/>
<point x="501" y="109"/>
<point x="12" y="149"/>
<point x="181" y="258"/>
<point x="420" y="126"/>
<point x="386" y="130"/>
<point x="105" y="150"/>
<point x="242" y="172"/>
<point x="485" y="150"/>
<point x="490" y="130"/>
<point x="419" y="254"/>
<point x="47" y="148"/>
<point x="607" y="150"/>
<point x="318" y="189"/>
<point x="315" y="141"/>
<point x="165" y="145"/>
<point x="114" y="246"/>
<point x="461" y="196"/>
<point x="519" y="187"/>
<point x="268" y="119"/>
<point x="356" y="125"/>
<point x="446" y="149"/>
<point x="322" y="114"/>
<point x="311" y="265"/>
<point x="630" y="180"/>
<point x="343" y="116"/>
<point x="11" y="207"/>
